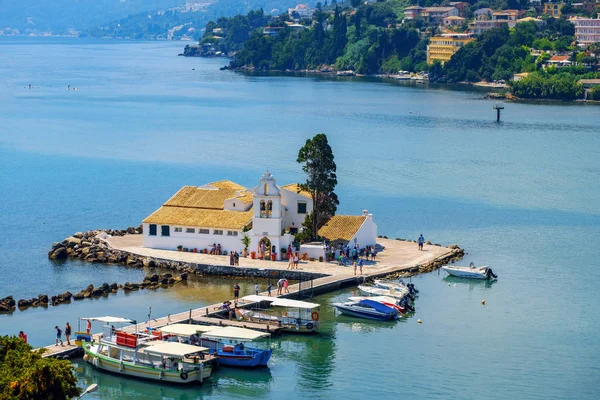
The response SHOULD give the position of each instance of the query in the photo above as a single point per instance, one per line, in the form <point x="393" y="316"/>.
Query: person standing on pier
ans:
<point x="23" y="336"/>
<point x="236" y="292"/>
<point x="269" y="289"/>
<point x="421" y="241"/>
<point x="89" y="326"/>
<point x="285" y="285"/>
<point x="58" y="336"/>
<point x="68" y="333"/>
<point x="256" y="289"/>
<point x="360" y="265"/>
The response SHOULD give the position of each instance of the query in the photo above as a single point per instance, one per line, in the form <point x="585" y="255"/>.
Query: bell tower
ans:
<point x="267" y="220"/>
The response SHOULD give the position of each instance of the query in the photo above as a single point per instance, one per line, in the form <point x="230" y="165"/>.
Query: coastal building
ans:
<point x="461" y="6"/>
<point x="453" y="21"/>
<point x="483" y="13"/>
<point x="272" y="30"/>
<point x="431" y="14"/>
<point x="518" y="77"/>
<point x="301" y="11"/>
<point x="223" y="212"/>
<point x="559" y="61"/>
<point x="587" y="30"/>
<point x="539" y="22"/>
<point x="508" y="16"/>
<point x="553" y="9"/>
<point x="442" y="48"/>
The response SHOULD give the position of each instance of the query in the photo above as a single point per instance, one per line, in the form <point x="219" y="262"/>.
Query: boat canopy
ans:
<point x="173" y="349"/>
<point x="234" y="333"/>
<point x="184" y="329"/>
<point x="110" y="320"/>
<point x="279" y="302"/>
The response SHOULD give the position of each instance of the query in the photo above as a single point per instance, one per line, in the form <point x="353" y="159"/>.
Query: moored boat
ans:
<point x="398" y="286"/>
<point x="377" y="291"/>
<point x="290" y="315"/>
<point x="368" y="309"/>
<point x="228" y="343"/>
<point x="141" y="355"/>
<point x="402" y="305"/>
<point x="471" y="272"/>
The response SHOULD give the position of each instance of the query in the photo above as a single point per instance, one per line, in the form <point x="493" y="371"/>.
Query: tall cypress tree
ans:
<point x="321" y="179"/>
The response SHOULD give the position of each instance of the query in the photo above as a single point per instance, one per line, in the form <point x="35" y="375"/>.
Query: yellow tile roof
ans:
<point x="211" y="196"/>
<point x="198" y="217"/>
<point x="341" y="227"/>
<point x="294" y="187"/>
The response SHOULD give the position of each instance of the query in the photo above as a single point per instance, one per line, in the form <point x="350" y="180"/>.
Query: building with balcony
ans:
<point x="587" y="30"/>
<point x="553" y="9"/>
<point x="442" y="48"/>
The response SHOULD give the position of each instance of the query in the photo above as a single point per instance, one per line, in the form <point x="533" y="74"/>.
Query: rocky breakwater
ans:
<point x="90" y="246"/>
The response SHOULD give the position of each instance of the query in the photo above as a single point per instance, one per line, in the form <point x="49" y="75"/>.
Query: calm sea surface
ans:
<point x="522" y="195"/>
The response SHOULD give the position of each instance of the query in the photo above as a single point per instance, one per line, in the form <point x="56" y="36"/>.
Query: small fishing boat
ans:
<point x="368" y="309"/>
<point x="471" y="272"/>
<point x="377" y="291"/>
<point x="228" y="343"/>
<point x="290" y="315"/>
<point x="402" y="306"/>
<point x="141" y="355"/>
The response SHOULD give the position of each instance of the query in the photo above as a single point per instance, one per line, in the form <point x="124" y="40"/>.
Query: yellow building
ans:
<point x="553" y="9"/>
<point x="442" y="47"/>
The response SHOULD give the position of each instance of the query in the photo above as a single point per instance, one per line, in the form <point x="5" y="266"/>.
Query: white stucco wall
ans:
<point x="367" y="234"/>
<point x="191" y="240"/>
<point x="236" y="205"/>
<point x="290" y="201"/>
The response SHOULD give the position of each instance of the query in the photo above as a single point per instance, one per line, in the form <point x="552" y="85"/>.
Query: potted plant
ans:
<point x="304" y="255"/>
<point x="245" y="252"/>
<point x="320" y="258"/>
<point x="246" y="242"/>
<point x="195" y="250"/>
<point x="179" y="247"/>
<point x="273" y="256"/>
<point x="253" y="255"/>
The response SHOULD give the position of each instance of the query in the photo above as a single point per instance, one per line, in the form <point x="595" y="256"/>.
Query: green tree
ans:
<point x="25" y="375"/>
<point x="320" y="168"/>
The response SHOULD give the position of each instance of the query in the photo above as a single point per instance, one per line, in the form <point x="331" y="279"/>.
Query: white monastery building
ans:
<point x="223" y="212"/>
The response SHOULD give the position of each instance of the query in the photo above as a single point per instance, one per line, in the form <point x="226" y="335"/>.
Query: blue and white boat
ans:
<point x="229" y="344"/>
<point x="369" y="309"/>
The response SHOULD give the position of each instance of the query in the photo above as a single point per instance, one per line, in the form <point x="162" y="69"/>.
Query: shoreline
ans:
<point x="123" y="247"/>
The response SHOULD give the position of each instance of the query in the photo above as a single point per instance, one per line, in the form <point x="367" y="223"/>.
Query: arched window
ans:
<point x="266" y="189"/>
<point x="263" y="209"/>
<point x="269" y="207"/>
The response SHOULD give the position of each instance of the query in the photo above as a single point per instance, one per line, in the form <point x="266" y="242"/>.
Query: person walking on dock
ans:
<point x="285" y="285"/>
<point x="58" y="336"/>
<point x="421" y="241"/>
<point x="68" y="333"/>
<point x="23" y="336"/>
<point x="256" y="289"/>
<point x="279" y="286"/>
<point x="89" y="326"/>
<point x="236" y="292"/>
<point x="269" y="289"/>
<point x="360" y="265"/>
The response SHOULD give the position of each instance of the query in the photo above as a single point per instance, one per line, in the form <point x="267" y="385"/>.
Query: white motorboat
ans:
<point x="140" y="355"/>
<point x="398" y="286"/>
<point x="471" y="272"/>
<point x="377" y="291"/>
<point x="401" y="305"/>
<point x="367" y="309"/>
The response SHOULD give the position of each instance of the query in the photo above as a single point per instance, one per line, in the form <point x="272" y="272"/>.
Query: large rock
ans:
<point x="184" y="276"/>
<point x="66" y="296"/>
<point x="43" y="298"/>
<point x="59" y="254"/>
<point x="114" y="286"/>
<point x="9" y="301"/>
<point x="24" y="303"/>
<point x="79" y="296"/>
<point x="97" y="292"/>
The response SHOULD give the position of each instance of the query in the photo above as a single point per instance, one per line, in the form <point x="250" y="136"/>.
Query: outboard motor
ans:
<point x="489" y="273"/>
<point x="411" y="288"/>
<point x="404" y="304"/>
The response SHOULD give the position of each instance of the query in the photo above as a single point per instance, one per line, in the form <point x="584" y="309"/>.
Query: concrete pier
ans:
<point x="314" y="277"/>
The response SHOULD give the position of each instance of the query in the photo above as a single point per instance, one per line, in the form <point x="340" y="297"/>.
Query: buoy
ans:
<point x="483" y="302"/>
<point x="419" y="321"/>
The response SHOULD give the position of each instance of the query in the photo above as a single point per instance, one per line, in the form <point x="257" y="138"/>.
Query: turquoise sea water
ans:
<point x="521" y="195"/>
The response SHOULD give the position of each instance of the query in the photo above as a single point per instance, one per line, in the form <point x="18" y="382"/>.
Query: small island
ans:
<point x="530" y="53"/>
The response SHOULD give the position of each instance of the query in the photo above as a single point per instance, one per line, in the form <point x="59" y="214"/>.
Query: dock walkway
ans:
<point x="397" y="256"/>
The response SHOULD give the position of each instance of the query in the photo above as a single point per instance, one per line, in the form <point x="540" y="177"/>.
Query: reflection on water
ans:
<point x="472" y="283"/>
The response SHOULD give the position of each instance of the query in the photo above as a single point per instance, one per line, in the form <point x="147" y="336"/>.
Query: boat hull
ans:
<point x="367" y="314"/>
<point x="258" y="358"/>
<point x="465" y="273"/>
<point x="130" y="369"/>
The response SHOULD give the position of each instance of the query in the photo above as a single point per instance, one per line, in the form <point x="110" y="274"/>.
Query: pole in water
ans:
<point x="498" y="107"/>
